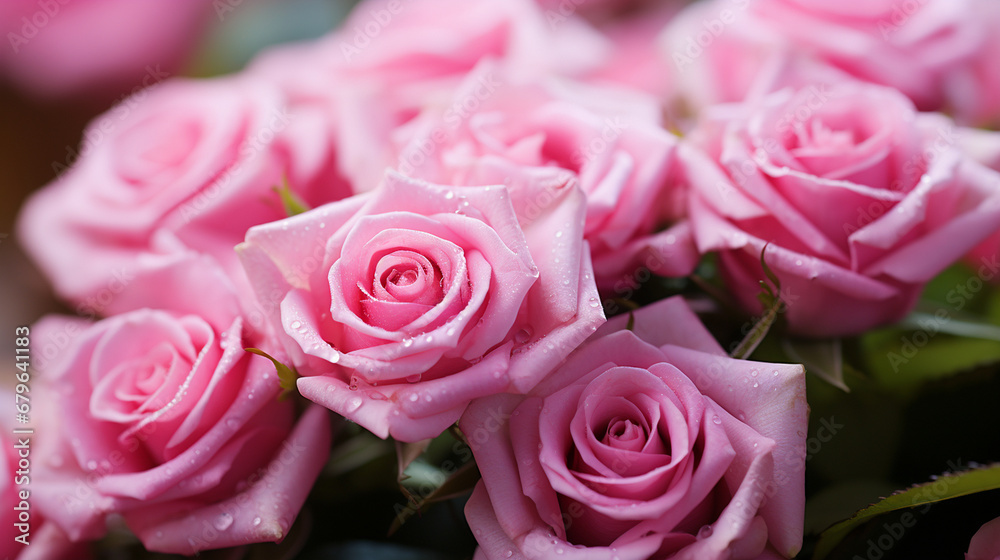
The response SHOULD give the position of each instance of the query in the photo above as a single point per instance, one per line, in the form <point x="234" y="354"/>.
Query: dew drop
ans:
<point x="223" y="522"/>
<point x="407" y="342"/>
<point x="594" y="303"/>
<point x="705" y="532"/>
<point x="256" y="521"/>
<point x="559" y="233"/>
<point x="508" y="554"/>
<point x="414" y="397"/>
<point x="296" y="324"/>
<point x="741" y="415"/>
<point x="353" y="404"/>
<point x="232" y="423"/>
<point x="716" y="420"/>
<point x="449" y="195"/>
<point x="522" y="336"/>
<point x="798" y="262"/>
<point x="415" y="378"/>
<point x="755" y="384"/>
<point x="754" y="373"/>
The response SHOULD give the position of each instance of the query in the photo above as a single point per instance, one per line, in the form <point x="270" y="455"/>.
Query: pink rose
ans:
<point x="934" y="51"/>
<point x="400" y="306"/>
<point x="170" y="423"/>
<point x="859" y="199"/>
<point x="26" y="536"/>
<point x="648" y="443"/>
<point x="60" y="48"/>
<point x="985" y="544"/>
<point x="166" y="184"/>
<point x="390" y="60"/>
<point x="610" y="140"/>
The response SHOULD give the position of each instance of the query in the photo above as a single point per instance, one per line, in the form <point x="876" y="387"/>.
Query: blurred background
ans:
<point x="60" y="69"/>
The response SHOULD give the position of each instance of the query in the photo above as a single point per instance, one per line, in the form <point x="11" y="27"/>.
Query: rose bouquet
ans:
<point x="515" y="279"/>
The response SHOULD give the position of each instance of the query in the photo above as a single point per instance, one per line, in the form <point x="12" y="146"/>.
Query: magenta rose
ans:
<point x="611" y="140"/>
<point x="859" y="199"/>
<point x="646" y="443"/>
<point x="168" y="422"/>
<point x="400" y="306"/>
<point x="166" y="184"/>
<point x="985" y="544"/>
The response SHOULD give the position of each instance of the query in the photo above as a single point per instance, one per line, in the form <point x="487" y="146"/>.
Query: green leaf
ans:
<point x="945" y="487"/>
<point x="823" y="358"/>
<point x="287" y="376"/>
<point x="903" y="360"/>
<point x="459" y="483"/>
<point x="292" y="203"/>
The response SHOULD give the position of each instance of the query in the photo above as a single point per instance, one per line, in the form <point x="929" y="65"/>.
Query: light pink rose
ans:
<point x="499" y="128"/>
<point x="392" y="59"/>
<point x="649" y="443"/>
<point x="166" y="184"/>
<point x="400" y="306"/>
<point x="984" y="147"/>
<point x="859" y="199"/>
<point x="934" y="51"/>
<point x="42" y="540"/>
<point x="985" y="544"/>
<point x="60" y="48"/>
<point x="169" y="422"/>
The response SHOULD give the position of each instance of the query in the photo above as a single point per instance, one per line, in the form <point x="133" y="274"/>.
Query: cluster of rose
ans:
<point x="434" y="219"/>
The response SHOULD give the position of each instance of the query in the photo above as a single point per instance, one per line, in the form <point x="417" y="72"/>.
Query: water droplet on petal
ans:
<point x="353" y="404"/>
<point x="414" y="397"/>
<point x="415" y="378"/>
<point x="296" y="324"/>
<point x="716" y="420"/>
<point x="407" y="342"/>
<point x="449" y="195"/>
<point x="223" y="522"/>
<point x="256" y="521"/>
<point x="705" y="532"/>
<point x="522" y="336"/>
<point x="559" y="233"/>
<point x="594" y="303"/>
<point x="232" y="423"/>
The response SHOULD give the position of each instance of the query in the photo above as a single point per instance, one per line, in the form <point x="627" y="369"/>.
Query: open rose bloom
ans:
<point x="400" y="306"/>
<point x="645" y="443"/>
<point x="168" y="422"/>
<point x="859" y="200"/>
<point x="510" y="237"/>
